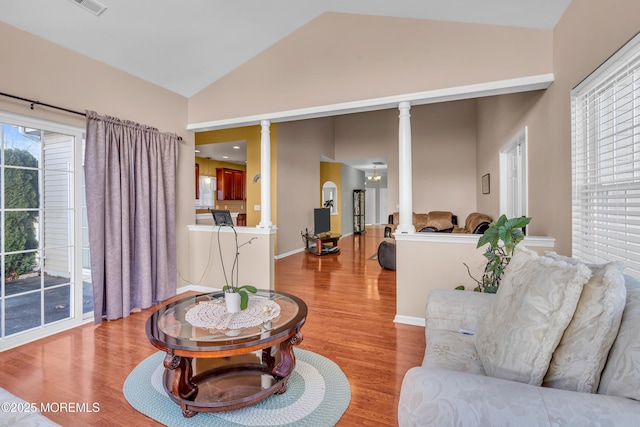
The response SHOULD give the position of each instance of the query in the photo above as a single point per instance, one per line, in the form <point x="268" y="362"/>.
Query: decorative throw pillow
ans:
<point x="579" y="359"/>
<point x="534" y="305"/>
<point x="621" y="376"/>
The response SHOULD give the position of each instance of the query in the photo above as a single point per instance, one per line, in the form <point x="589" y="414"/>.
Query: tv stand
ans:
<point x="321" y="243"/>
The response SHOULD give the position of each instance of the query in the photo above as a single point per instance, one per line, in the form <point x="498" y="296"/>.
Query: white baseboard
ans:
<point x="286" y="254"/>
<point x="409" y="320"/>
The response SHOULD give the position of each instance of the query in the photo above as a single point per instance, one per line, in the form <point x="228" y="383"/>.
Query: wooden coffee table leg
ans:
<point x="181" y="386"/>
<point x="287" y="360"/>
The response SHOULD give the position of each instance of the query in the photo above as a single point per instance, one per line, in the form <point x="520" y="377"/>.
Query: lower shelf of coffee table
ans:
<point x="227" y="388"/>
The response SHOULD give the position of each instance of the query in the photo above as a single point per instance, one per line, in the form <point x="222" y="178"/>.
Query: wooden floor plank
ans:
<point x="351" y="304"/>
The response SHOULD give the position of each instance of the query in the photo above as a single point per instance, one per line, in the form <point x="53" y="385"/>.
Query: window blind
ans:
<point x="606" y="162"/>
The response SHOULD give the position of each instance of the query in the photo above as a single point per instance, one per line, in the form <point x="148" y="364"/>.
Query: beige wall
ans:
<point x="588" y="33"/>
<point x="37" y="69"/>
<point x="443" y="153"/>
<point x="347" y="57"/>
<point x="300" y="145"/>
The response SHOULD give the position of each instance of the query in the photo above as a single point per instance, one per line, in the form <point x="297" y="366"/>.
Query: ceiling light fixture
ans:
<point x="92" y="6"/>
<point x="374" y="177"/>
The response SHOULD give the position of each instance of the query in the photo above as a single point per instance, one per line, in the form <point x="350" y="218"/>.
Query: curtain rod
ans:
<point x="33" y="102"/>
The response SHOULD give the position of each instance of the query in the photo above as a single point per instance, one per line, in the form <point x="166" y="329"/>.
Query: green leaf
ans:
<point x="459" y="288"/>
<point x="490" y="236"/>
<point x="225" y="288"/>
<point x="517" y="222"/>
<point x="249" y="288"/>
<point x="244" y="299"/>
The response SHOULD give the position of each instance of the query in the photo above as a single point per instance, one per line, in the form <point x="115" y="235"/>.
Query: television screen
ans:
<point x="321" y="220"/>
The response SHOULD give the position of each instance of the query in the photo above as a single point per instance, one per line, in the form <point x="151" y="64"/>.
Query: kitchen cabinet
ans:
<point x="231" y="184"/>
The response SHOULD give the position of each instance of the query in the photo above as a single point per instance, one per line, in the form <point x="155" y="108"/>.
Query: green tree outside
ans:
<point x="20" y="192"/>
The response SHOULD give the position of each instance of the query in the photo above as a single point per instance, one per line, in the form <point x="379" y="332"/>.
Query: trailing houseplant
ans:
<point x="502" y="236"/>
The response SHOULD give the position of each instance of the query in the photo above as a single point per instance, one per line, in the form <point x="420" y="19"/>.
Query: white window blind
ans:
<point x="606" y="162"/>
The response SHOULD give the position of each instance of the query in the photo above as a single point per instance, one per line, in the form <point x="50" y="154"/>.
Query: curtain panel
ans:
<point x="130" y="186"/>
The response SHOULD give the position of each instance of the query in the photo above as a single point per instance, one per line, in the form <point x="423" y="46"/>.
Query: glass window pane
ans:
<point x="87" y="295"/>
<point x="57" y="265"/>
<point x="57" y="303"/>
<point x="21" y="188"/>
<point x="20" y="266"/>
<point x="22" y="312"/>
<point x="21" y="230"/>
<point x="21" y="146"/>
<point x="18" y="285"/>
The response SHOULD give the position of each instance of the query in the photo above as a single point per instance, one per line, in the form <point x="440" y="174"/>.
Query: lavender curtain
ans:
<point x="130" y="185"/>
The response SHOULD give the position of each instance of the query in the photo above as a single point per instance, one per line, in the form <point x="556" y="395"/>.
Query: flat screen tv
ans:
<point x="321" y="220"/>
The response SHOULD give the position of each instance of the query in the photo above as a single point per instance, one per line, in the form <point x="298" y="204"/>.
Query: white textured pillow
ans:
<point x="579" y="359"/>
<point x="534" y="304"/>
<point x="621" y="376"/>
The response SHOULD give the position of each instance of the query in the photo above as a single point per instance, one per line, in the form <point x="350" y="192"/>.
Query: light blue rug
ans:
<point x="317" y="395"/>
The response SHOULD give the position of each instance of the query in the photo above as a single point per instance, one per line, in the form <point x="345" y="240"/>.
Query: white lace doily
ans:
<point x="214" y="315"/>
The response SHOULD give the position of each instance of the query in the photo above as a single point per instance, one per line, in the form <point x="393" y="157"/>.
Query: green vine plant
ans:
<point x="502" y="236"/>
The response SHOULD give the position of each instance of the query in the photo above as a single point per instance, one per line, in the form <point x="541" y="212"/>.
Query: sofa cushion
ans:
<point x="621" y="375"/>
<point x="440" y="397"/>
<point x="534" y="305"/>
<point x="579" y="359"/>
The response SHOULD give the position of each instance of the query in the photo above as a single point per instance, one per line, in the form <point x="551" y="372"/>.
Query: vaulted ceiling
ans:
<point x="184" y="46"/>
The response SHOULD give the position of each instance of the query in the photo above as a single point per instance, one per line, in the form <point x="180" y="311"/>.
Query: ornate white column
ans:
<point x="405" y="195"/>
<point x="265" y="175"/>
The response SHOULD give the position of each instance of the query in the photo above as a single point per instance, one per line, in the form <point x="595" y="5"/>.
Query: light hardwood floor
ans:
<point x="351" y="304"/>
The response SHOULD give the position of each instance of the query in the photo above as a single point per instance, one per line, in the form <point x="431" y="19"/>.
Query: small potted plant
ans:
<point x="237" y="297"/>
<point x="502" y="236"/>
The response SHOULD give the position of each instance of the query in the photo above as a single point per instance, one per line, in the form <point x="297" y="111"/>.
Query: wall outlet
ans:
<point x="256" y="207"/>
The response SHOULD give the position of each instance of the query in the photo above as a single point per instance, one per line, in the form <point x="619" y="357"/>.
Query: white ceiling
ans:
<point x="184" y="46"/>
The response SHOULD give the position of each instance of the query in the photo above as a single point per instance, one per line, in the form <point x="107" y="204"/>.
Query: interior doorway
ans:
<point x="514" y="176"/>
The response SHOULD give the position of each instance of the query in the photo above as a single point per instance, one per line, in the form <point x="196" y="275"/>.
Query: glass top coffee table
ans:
<point x="214" y="365"/>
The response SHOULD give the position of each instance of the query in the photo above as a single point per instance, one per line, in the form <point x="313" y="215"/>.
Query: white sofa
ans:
<point x="521" y="368"/>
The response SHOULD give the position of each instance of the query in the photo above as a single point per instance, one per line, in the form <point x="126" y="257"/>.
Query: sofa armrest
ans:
<point x="452" y="310"/>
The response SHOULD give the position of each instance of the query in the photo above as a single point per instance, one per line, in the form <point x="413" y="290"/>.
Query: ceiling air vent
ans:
<point x="91" y="5"/>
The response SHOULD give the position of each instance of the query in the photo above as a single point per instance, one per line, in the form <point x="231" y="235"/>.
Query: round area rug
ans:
<point x="317" y="394"/>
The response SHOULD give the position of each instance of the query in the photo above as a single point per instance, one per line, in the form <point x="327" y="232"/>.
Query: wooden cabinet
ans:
<point x="231" y="184"/>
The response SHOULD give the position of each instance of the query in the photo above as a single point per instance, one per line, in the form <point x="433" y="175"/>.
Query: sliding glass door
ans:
<point x="40" y="229"/>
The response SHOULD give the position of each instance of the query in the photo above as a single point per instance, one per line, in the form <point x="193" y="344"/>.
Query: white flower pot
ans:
<point x="232" y="299"/>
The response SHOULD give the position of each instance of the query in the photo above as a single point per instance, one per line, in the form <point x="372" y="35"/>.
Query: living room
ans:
<point x="404" y="56"/>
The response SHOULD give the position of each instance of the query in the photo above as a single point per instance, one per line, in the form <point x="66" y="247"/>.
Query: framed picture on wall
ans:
<point x="486" y="184"/>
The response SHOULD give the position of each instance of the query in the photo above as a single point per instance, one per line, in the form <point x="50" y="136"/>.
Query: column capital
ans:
<point x="404" y="105"/>
<point x="264" y="123"/>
